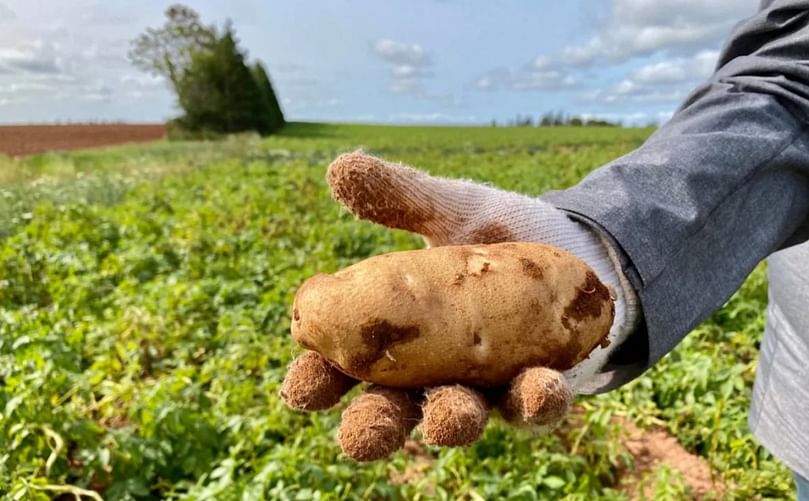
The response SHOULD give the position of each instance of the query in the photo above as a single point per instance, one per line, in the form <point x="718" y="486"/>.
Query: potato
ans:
<point x="471" y="314"/>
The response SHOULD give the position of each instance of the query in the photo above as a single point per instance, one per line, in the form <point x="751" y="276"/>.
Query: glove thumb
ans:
<point x="404" y="198"/>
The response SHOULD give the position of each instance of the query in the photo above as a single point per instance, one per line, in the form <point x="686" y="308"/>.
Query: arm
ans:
<point x="711" y="193"/>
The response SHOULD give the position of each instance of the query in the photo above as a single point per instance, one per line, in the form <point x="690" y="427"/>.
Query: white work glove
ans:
<point x="456" y="212"/>
<point x="447" y="212"/>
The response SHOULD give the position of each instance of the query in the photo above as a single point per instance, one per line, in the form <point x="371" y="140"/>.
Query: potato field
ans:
<point x="145" y="295"/>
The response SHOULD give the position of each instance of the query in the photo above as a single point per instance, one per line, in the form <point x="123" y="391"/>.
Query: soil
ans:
<point x="371" y="190"/>
<point x="489" y="233"/>
<point x="19" y="140"/>
<point x="655" y="447"/>
<point x="650" y="449"/>
<point x="420" y="462"/>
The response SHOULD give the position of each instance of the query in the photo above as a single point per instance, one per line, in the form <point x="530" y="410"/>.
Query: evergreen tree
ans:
<point x="273" y="118"/>
<point x="218" y="91"/>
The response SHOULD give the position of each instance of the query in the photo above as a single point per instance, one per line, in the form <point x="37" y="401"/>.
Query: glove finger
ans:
<point x="313" y="384"/>
<point x="454" y="416"/>
<point x="405" y="198"/>
<point x="538" y="398"/>
<point x="377" y="423"/>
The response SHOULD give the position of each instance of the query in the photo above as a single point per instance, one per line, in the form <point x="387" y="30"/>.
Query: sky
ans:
<point x="388" y="61"/>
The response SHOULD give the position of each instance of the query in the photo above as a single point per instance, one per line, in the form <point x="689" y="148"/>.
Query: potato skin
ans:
<point x="469" y="314"/>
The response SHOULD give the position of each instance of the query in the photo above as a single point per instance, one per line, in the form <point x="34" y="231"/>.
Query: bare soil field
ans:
<point x="18" y="140"/>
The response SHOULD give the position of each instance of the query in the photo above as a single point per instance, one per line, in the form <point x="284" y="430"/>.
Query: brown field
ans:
<point x="17" y="140"/>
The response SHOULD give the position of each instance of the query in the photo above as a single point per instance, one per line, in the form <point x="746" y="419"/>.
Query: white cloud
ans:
<point x="292" y="76"/>
<point x="406" y="71"/>
<point x="138" y="85"/>
<point x="406" y="86"/>
<point x="531" y="77"/>
<point x="663" y="72"/>
<point x="399" y="53"/>
<point x="552" y="79"/>
<point x="686" y="33"/>
<point x="31" y="57"/>
<point x="642" y="27"/>
<point x="6" y="14"/>
<point x="408" y="66"/>
<point x="69" y="60"/>
<point x="142" y="80"/>
<point x="312" y="103"/>
<point x="302" y="93"/>
<point x="629" y="92"/>
<point x="42" y="63"/>
<point x="485" y="83"/>
<point x="8" y="91"/>
<point x="98" y="91"/>
<point x="681" y="12"/>
<point x="677" y="70"/>
<point x="662" y="82"/>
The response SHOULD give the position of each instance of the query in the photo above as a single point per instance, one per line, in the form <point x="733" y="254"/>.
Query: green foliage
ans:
<point x="217" y="91"/>
<point x="144" y="333"/>
<point x="167" y="51"/>
<point x="271" y="117"/>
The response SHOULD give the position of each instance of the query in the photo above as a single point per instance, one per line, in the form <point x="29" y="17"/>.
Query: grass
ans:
<point x="144" y="296"/>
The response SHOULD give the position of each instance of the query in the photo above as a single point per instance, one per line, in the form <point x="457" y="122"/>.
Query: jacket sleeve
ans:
<point x="714" y="191"/>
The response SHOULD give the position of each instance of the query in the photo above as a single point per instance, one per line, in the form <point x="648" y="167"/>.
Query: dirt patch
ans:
<point x="421" y="461"/>
<point x="590" y="297"/>
<point x="453" y="416"/>
<point x="650" y="449"/>
<point x="565" y="355"/>
<point x="18" y="140"/>
<point x="377" y="422"/>
<point x="374" y="191"/>
<point x="489" y="233"/>
<point x="313" y="383"/>
<point x="379" y="336"/>
<point x="531" y="269"/>
<point x="537" y="396"/>
<point x="654" y="448"/>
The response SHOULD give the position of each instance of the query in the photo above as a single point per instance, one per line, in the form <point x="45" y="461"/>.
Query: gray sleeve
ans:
<point x="714" y="191"/>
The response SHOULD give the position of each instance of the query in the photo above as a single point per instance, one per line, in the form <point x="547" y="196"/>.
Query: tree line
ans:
<point x="218" y="91"/>
<point x="557" y="119"/>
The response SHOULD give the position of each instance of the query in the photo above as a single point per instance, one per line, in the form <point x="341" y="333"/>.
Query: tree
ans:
<point x="168" y="51"/>
<point x="273" y="117"/>
<point x="216" y="89"/>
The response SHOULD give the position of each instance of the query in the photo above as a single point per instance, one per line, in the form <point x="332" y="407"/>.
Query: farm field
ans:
<point x="27" y="139"/>
<point x="144" y="333"/>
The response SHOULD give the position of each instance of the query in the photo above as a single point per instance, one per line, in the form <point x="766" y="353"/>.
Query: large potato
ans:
<point x="472" y="314"/>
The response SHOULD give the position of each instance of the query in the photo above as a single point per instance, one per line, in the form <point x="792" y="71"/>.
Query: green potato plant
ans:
<point x="144" y="329"/>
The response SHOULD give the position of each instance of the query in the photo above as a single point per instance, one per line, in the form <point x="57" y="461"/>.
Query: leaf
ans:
<point x="553" y="482"/>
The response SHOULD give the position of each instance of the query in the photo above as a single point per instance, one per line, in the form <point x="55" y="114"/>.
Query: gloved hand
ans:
<point x="455" y="212"/>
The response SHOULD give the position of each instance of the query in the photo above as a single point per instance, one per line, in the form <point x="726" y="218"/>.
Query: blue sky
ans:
<point x="391" y="61"/>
